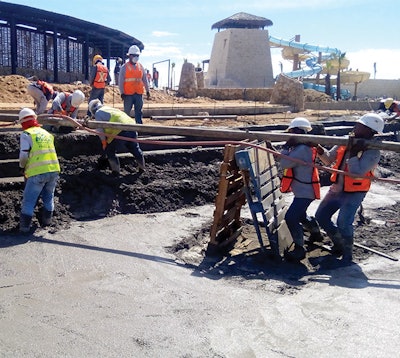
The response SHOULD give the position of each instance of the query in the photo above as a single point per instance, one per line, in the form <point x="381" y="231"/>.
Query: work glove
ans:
<point x="320" y="149"/>
<point x="21" y="171"/>
<point x="123" y="96"/>
<point x="355" y="148"/>
<point x="104" y="144"/>
<point x="291" y="142"/>
<point x="148" y="94"/>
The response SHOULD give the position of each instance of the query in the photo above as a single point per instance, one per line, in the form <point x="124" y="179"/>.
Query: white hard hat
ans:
<point x="133" y="50"/>
<point x="300" y="122"/>
<point x="26" y="114"/>
<point x="77" y="98"/>
<point x="388" y="102"/>
<point x="373" y="121"/>
<point x="94" y="105"/>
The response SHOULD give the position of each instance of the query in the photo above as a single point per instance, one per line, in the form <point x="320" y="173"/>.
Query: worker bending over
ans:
<point x="110" y="145"/>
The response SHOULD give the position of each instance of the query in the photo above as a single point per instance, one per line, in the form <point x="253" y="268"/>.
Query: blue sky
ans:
<point x="366" y="30"/>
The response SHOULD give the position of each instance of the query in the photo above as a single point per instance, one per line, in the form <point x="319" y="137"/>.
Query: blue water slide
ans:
<point x="314" y="68"/>
<point x="305" y="47"/>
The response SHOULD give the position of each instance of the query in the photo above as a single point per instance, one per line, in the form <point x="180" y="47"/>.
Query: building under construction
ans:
<point x="57" y="48"/>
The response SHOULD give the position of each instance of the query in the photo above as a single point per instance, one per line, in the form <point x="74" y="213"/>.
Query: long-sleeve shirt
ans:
<point x="360" y="164"/>
<point x="302" y="187"/>
<point x="92" y="75"/>
<point x="122" y="77"/>
<point x="25" y="145"/>
<point x="56" y="106"/>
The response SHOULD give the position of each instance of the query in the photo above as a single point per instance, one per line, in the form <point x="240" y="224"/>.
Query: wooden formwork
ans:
<point x="228" y="203"/>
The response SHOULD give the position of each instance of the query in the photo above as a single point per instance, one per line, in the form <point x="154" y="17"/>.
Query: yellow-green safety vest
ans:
<point x="42" y="156"/>
<point x="117" y="116"/>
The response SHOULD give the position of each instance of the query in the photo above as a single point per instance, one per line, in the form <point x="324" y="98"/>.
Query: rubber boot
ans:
<point x="25" y="223"/>
<point x="296" y="255"/>
<point x="46" y="217"/>
<point x="338" y="244"/>
<point x="348" y="249"/>
<point x="311" y="225"/>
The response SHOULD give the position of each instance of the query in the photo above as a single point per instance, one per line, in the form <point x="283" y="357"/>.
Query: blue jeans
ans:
<point x="122" y="146"/>
<point x="42" y="185"/>
<point x="96" y="93"/>
<point x="296" y="214"/>
<point x="136" y="101"/>
<point x="347" y="204"/>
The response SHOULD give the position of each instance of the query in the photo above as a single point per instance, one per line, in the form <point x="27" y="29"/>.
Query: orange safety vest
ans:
<point x="101" y="76"/>
<point x="64" y="105"/>
<point x="288" y="177"/>
<point x="46" y="88"/>
<point x="350" y="184"/>
<point x="133" y="79"/>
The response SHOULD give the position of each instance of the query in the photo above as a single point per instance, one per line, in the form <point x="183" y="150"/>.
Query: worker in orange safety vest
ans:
<point x="300" y="179"/>
<point x="347" y="192"/>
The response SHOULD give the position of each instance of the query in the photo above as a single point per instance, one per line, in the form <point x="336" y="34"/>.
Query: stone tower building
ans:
<point x="241" y="56"/>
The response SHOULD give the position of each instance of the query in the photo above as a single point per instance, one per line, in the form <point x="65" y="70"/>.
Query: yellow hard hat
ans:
<point x="388" y="102"/>
<point x="97" y="58"/>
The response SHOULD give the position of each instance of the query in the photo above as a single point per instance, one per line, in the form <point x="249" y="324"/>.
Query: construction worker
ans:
<point x="109" y="144"/>
<point x="39" y="163"/>
<point x="347" y="192"/>
<point x="67" y="104"/>
<point x="42" y="92"/>
<point x="302" y="180"/>
<point x="133" y="83"/>
<point x="98" y="79"/>
<point x="117" y="68"/>
<point x="390" y="106"/>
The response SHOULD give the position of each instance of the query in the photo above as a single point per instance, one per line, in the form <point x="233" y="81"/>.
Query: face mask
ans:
<point x="134" y="59"/>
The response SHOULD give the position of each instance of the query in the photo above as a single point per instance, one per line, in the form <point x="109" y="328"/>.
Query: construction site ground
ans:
<point x="122" y="271"/>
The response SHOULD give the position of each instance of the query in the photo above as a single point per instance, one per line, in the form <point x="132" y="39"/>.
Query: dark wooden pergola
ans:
<point x="46" y="41"/>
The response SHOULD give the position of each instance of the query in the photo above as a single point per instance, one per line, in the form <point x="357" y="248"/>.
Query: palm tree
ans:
<point x="340" y="59"/>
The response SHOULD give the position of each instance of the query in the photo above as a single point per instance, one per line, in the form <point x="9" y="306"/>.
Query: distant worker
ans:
<point x="42" y="92"/>
<point x="110" y="145"/>
<point x="39" y="163"/>
<point x="303" y="181"/>
<point x="67" y="104"/>
<point x="390" y="105"/>
<point x="98" y="79"/>
<point x="117" y="69"/>
<point x="347" y="192"/>
<point x="133" y="83"/>
<point x="155" y="77"/>
<point x="149" y="78"/>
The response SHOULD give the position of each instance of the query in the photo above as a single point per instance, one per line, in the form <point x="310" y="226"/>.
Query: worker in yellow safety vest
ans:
<point x="300" y="179"/>
<point x="347" y="192"/>
<point x="113" y="145"/>
<point x="39" y="164"/>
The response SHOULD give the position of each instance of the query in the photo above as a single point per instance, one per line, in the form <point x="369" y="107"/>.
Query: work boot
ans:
<point x="25" y="223"/>
<point x="46" y="217"/>
<point x="141" y="164"/>
<point x="348" y="249"/>
<point x="338" y="245"/>
<point x="296" y="255"/>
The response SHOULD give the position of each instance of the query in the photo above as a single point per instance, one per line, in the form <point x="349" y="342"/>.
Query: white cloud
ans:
<point x="163" y="34"/>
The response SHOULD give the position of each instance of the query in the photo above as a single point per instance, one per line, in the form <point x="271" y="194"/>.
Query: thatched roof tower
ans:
<point x="242" y="20"/>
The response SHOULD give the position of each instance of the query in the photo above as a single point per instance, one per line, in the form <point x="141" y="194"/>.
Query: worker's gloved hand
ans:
<point x="123" y="95"/>
<point x="357" y="147"/>
<point x="21" y="171"/>
<point x="320" y="149"/>
<point x="291" y="142"/>
<point x="104" y="144"/>
<point x="148" y="94"/>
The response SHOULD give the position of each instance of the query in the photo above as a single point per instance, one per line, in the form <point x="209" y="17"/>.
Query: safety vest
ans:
<point x="64" y="105"/>
<point x="288" y="177"/>
<point x="117" y="116"/>
<point x="42" y="156"/>
<point x="46" y="88"/>
<point x="350" y="184"/>
<point x="101" y="76"/>
<point x="133" y="79"/>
